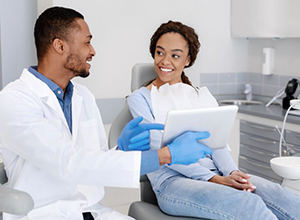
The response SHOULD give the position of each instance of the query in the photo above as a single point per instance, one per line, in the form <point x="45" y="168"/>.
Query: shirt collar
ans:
<point x="52" y="85"/>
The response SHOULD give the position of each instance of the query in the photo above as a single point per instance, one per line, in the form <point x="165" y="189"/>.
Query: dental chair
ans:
<point x="13" y="201"/>
<point x="147" y="208"/>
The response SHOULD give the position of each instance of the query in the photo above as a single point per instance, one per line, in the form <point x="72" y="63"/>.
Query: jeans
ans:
<point x="181" y="196"/>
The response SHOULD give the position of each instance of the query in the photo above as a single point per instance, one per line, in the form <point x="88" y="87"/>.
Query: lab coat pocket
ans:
<point x="90" y="134"/>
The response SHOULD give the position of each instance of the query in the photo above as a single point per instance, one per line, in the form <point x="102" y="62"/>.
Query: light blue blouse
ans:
<point x="220" y="162"/>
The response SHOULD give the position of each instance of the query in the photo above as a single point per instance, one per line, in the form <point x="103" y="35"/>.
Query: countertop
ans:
<point x="274" y="111"/>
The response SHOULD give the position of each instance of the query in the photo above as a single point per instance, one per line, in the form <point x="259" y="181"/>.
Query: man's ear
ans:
<point x="58" y="45"/>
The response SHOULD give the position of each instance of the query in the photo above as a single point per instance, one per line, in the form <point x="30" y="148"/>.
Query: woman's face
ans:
<point x="171" y="56"/>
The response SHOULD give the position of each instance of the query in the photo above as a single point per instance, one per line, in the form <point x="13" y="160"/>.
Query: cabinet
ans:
<point x="258" y="145"/>
<point x="292" y="138"/>
<point x="265" y="19"/>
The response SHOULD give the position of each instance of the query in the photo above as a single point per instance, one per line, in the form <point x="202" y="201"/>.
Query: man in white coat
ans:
<point x="52" y="139"/>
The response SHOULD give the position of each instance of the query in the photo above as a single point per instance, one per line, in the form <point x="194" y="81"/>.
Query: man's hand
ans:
<point x="135" y="136"/>
<point x="185" y="149"/>
<point x="236" y="179"/>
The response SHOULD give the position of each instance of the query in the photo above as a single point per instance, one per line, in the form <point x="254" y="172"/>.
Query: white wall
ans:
<point x="122" y="31"/>
<point x="286" y="59"/>
<point x="17" y="44"/>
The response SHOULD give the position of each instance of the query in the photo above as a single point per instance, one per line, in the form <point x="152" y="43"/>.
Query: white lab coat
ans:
<point x="63" y="172"/>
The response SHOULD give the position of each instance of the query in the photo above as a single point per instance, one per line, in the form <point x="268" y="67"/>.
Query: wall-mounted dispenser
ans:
<point x="268" y="63"/>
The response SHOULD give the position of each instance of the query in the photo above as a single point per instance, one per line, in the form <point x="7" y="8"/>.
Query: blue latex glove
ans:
<point x="135" y="136"/>
<point x="186" y="150"/>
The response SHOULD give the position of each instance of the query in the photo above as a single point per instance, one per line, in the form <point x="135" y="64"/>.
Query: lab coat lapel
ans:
<point x="44" y="92"/>
<point x="76" y="108"/>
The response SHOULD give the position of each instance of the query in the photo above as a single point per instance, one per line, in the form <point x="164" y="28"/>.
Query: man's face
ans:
<point x="80" y="51"/>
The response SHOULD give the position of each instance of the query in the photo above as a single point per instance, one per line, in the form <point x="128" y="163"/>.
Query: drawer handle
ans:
<point x="258" y="165"/>
<point x="259" y="152"/>
<point x="263" y="140"/>
<point x="262" y="128"/>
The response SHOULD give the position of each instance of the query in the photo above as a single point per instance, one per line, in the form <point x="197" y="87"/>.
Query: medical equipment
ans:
<point x="296" y="105"/>
<point x="288" y="167"/>
<point x="275" y="98"/>
<point x="290" y="89"/>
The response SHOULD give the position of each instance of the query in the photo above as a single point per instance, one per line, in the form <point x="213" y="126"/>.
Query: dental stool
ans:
<point x="147" y="208"/>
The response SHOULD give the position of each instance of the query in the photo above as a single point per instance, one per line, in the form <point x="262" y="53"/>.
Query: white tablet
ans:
<point x="217" y="121"/>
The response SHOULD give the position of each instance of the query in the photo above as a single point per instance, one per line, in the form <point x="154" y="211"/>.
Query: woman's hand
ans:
<point x="236" y="179"/>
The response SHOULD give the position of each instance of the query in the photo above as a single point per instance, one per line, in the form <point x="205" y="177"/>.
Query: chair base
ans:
<point x="146" y="211"/>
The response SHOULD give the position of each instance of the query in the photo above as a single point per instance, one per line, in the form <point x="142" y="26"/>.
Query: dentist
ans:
<point x="52" y="138"/>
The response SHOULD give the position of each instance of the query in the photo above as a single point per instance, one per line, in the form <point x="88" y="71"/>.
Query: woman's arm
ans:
<point x="139" y="103"/>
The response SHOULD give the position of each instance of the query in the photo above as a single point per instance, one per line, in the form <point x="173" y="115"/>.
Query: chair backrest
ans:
<point x="141" y="73"/>
<point x="117" y="126"/>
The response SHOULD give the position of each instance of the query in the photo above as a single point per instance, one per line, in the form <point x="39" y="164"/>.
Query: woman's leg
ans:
<point x="181" y="196"/>
<point x="282" y="202"/>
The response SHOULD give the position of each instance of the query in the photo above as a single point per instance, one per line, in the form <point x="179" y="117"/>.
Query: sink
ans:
<point x="239" y="102"/>
<point x="286" y="167"/>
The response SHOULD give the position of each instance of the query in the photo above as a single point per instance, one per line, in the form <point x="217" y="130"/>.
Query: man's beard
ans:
<point x="75" y="64"/>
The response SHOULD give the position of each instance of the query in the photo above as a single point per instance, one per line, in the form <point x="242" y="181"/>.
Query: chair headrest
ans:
<point x="142" y="73"/>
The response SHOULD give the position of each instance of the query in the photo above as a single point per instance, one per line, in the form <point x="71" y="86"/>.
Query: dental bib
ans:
<point x="178" y="96"/>
<point x="181" y="96"/>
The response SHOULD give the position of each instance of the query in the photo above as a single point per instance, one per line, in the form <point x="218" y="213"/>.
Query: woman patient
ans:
<point x="213" y="187"/>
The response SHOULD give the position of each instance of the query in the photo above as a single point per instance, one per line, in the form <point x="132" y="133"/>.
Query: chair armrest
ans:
<point x="14" y="201"/>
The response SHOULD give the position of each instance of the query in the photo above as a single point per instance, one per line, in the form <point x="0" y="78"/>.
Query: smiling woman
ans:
<point x="213" y="187"/>
<point x="173" y="46"/>
<point x="170" y="58"/>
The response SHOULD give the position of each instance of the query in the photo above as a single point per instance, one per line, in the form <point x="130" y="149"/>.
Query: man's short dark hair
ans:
<point x="55" y="22"/>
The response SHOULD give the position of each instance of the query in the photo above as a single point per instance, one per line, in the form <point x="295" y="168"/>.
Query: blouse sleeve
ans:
<point x="139" y="103"/>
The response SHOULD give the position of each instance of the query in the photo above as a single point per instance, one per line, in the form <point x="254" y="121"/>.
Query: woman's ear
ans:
<point x="188" y="60"/>
<point x="58" y="45"/>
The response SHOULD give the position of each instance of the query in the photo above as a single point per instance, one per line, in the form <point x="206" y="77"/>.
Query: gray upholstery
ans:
<point x="13" y="201"/>
<point x="142" y="73"/>
<point x="147" y="208"/>
<point x="117" y="125"/>
<point x="145" y="211"/>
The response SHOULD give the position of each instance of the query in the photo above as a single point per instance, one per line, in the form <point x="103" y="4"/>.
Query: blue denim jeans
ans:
<point x="181" y="196"/>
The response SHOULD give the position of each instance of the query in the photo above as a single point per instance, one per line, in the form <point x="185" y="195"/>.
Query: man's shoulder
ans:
<point x="14" y="86"/>
<point x="82" y="90"/>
